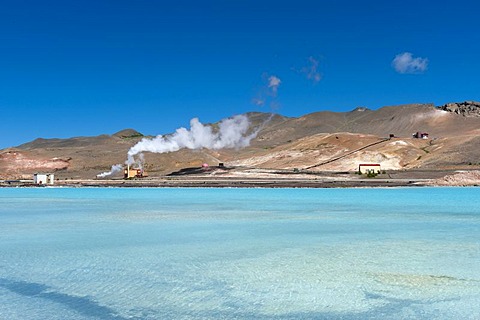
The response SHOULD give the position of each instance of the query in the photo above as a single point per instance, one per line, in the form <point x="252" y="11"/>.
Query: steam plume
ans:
<point x="231" y="133"/>
<point x="115" y="168"/>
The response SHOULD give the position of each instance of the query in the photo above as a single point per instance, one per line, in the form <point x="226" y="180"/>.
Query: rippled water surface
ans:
<point x="240" y="253"/>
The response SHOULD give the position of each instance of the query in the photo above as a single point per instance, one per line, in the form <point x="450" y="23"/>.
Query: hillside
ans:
<point x="321" y="141"/>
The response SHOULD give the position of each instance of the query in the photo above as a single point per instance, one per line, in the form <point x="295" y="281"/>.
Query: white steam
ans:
<point x="115" y="168"/>
<point x="138" y="162"/>
<point x="231" y="133"/>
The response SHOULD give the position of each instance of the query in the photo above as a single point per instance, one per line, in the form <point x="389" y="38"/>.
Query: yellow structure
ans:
<point x="134" y="173"/>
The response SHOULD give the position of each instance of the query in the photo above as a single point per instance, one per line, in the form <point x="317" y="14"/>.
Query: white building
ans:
<point x="369" y="167"/>
<point x="43" y="178"/>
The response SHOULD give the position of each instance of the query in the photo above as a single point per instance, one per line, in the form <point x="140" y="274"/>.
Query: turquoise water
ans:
<point x="112" y="253"/>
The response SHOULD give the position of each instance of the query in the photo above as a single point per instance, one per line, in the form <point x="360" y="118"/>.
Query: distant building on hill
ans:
<point x="420" y="135"/>
<point x="44" y="178"/>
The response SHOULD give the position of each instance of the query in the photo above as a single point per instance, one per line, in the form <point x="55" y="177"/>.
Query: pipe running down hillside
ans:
<point x="347" y="154"/>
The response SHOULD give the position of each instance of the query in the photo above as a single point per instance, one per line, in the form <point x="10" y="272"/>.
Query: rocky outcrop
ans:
<point x="128" y="133"/>
<point x="466" y="109"/>
<point x="459" y="179"/>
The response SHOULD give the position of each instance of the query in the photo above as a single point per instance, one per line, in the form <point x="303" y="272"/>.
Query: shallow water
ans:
<point x="111" y="253"/>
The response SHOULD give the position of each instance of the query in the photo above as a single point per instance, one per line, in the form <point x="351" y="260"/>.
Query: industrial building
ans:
<point x="130" y="173"/>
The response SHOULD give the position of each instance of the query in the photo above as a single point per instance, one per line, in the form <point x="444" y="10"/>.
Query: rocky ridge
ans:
<point x="466" y="109"/>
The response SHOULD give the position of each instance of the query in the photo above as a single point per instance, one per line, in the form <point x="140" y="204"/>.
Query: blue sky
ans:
<point x="83" y="68"/>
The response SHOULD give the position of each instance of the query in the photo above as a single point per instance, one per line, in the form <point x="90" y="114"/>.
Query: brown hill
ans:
<point x="399" y="120"/>
<point x="81" y="156"/>
<point x="335" y="141"/>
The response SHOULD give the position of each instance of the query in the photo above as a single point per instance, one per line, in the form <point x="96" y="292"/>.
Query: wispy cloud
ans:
<point x="268" y="91"/>
<point x="311" y="70"/>
<point x="258" y="101"/>
<point x="405" y="63"/>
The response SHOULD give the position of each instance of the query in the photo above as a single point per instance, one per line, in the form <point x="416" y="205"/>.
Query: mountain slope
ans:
<point x="312" y="141"/>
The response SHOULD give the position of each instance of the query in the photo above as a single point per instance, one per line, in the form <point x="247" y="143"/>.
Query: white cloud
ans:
<point x="274" y="83"/>
<point x="405" y="63"/>
<point x="268" y="92"/>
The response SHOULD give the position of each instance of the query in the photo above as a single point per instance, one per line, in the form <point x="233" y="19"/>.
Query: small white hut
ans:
<point x="44" y="178"/>
<point x="369" y="167"/>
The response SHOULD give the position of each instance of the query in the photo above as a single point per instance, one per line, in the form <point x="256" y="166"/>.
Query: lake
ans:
<point x="173" y="253"/>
